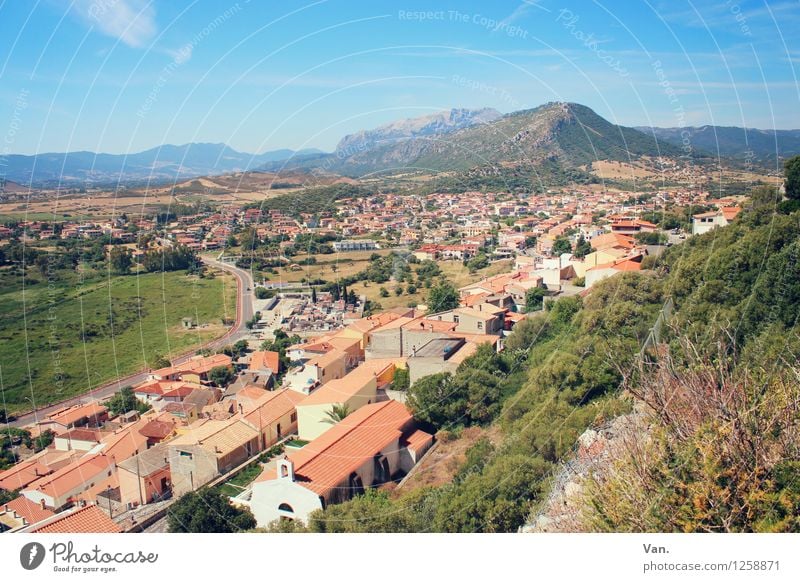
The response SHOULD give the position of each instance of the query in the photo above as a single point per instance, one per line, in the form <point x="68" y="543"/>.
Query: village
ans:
<point x="311" y="402"/>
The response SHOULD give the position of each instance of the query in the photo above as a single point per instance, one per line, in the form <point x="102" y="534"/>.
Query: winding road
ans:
<point x="244" y="312"/>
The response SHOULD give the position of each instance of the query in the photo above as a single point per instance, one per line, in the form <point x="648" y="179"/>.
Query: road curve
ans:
<point x="244" y="312"/>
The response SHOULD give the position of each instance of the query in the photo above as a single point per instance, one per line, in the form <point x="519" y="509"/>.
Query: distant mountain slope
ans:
<point x="168" y="162"/>
<point x="555" y="134"/>
<point x="762" y="146"/>
<point x="439" y="123"/>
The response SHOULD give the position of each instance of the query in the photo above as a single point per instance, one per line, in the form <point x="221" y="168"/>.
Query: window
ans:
<point x="294" y="417"/>
<point x="185" y="454"/>
<point x="285" y="507"/>
<point x="480" y="325"/>
<point x="455" y="319"/>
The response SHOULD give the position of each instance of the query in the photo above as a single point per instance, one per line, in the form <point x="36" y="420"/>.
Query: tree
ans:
<point x="443" y="297"/>
<point x="236" y="350"/>
<point x="582" y="248"/>
<point x="159" y="361"/>
<point x="124" y="401"/>
<point x="472" y="396"/>
<point x="401" y="379"/>
<point x="207" y="511"/>
<point x="222" y="375"/>
<point x="314" y="295"/>
<point x="479" y="261"/>
<point x="792" y="172"/>
<point x="383" y="292"/>
<point x="534" y="299"/>
<point x="121" y="260"/>
<point x="264" y="293"/>
<point x="337" y="413"/>
<point x="561" y="246"/>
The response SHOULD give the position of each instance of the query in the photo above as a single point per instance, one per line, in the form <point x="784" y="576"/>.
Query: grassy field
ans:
<point x="329" y="267"/>
<point x="66" y="336"/>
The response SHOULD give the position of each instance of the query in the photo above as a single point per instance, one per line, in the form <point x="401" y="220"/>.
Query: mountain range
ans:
<point x="758" y="146"/>
<point x="565" y="134"/>
<point x="549" y="140"/>
<point x="168" y="162"/>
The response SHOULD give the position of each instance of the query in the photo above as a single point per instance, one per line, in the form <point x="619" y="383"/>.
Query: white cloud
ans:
<point x="131" y="21"/>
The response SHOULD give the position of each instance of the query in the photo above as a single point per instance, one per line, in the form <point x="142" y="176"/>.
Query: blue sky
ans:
<point x="125" y="75"/>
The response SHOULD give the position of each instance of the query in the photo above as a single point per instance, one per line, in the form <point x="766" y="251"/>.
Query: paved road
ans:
<point x="244" y="312"/>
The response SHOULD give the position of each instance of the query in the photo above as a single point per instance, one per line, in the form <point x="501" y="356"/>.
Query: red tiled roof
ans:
<point x="89" y="519"/>
<point x="180" y="392"/>
<point x="268" y="360"/>
<point x="27" y="509"/>
<point x="730" y="212"/>
<point x="273" y="406"/>
<point x="418" y="439"/>
<point x="71" y="476"/>
<point x="23" y="474"/>
<point x="158" y="429"/>
<point x="81" y="434"/>
<point x="75" y="413"/>
<point x="329" y="459"/>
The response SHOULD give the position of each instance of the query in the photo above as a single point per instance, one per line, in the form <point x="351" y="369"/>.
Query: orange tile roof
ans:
<point x="73" y="475"/>
<point x="266" y="359"/>
<point x="197" y="365"/>
<point x="23" y="474"/>
<point x="73" y="414"/>
<point x="328" y="460"/>
<point x="251" y="392"/>
<point x="626" y="264"/>
<point x="159" y="428"/>
<point x="180" y="392"/>
<point x="80" y="434"/>
<point x="730" y="212"/>
<point x="418" y="440"/>
<point x="124" y="444"/>
<point x="273" y="406"/>
<point x="474" y="298"/>
<point x="344" y="388"/>
<point x="89" y="519"/>
<point x="327" y="358"/>
<point x="612" y="239"/>
<point x="27" y="509"/>
<point x="430" y="324"/>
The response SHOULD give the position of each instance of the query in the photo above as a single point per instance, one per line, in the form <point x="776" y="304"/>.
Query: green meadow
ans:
<point x="67" y="335"/>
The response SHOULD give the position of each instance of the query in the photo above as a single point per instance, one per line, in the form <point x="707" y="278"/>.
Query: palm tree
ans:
<point x="337" y="413"/>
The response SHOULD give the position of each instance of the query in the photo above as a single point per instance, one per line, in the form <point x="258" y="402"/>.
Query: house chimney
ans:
<point x="41" y="502"/>
<point x="286" y="469"/>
